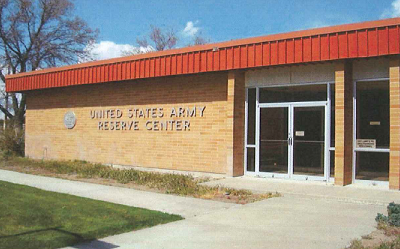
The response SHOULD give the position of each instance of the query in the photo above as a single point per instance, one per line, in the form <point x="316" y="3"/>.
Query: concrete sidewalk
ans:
<point x="278" y="223"/>
<point x="355" y="193"/>
<point x="184" y="206"/>
<point x="299" y="219"/>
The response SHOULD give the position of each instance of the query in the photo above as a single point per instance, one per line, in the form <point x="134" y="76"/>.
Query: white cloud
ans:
<point x="109" y="49"/>
<point x="394" y="11"/>
<point x="318" y="24"/>
<point x="190" y="29"/>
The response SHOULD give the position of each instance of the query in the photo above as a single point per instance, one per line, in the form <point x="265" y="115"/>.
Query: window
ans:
<point x="251" y="116"/>
<point x="373" y="112"/>
<point x="251" y="129"/>
<point x="332" y="145"/>
<point x="372" y="130"/>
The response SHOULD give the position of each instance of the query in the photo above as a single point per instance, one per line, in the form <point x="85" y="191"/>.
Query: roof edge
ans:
<point x="219" y="45"/>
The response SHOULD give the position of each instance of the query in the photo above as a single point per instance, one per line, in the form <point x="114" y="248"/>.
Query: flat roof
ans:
<point x="358" y="40"/>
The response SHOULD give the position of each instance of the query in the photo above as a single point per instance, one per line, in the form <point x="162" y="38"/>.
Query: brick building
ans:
<point x="320" y="104"/>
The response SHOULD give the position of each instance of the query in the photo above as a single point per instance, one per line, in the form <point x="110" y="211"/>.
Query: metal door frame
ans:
<point x="355" y="150"/>
<point x="291" y="106"/>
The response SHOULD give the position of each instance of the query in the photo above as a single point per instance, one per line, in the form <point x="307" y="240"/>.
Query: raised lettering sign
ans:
<point x="148" y="118"/>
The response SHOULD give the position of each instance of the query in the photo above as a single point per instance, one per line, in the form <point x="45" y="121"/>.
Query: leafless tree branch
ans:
<point x="37" y="34"/>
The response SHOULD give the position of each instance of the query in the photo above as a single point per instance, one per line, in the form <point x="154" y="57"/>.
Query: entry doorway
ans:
<point x="292" y="140"/>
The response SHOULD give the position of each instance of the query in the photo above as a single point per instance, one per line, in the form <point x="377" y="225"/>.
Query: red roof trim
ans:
<point x="367" y="39"/>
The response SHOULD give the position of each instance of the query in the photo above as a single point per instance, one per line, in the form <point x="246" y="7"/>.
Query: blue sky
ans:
<point x="120" y="22"/>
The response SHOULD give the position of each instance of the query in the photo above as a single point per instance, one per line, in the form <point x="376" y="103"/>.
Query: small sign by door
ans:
<point x="374" y="122"/>
<point x="299" y="133"/>
<point x="366" y="143"/>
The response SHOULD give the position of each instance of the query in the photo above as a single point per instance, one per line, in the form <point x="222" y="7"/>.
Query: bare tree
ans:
<point x="37" y="34"/>
<point x="162" y="39"/>
<point x="159" y="40"/>
<point x="199" y="39"/>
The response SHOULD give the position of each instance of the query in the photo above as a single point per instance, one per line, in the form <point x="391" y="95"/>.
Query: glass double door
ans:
<point x="292" y="141"/>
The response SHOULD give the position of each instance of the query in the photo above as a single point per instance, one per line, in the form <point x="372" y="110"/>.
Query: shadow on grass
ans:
<point x="91" y="244"/>
<point x="95" y="244"/>
<point x="43" y="230"/>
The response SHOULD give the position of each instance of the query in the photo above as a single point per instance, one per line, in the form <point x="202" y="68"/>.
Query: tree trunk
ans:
<point x="19" y="117"/>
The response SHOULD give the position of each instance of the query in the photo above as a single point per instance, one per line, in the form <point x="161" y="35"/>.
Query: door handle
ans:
<point x="290" y="140"/>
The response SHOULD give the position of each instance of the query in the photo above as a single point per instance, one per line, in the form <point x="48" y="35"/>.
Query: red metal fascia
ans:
<point x="339" y="42"/>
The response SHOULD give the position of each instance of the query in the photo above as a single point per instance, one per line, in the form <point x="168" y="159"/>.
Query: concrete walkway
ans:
<point x="355" y="193"/>
<point x="330" y="217"/>
<point x="184" y="206"/>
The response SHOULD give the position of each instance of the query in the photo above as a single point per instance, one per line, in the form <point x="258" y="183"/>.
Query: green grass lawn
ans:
<point x="34" y="218"/>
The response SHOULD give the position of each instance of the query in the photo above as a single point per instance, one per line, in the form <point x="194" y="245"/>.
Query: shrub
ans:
<point x="393" y="208"/>
<point x="393" y="217"/>
<point x="394" y="220"/>
<point x="12" y="142"/>
<point x="381" y="218"/>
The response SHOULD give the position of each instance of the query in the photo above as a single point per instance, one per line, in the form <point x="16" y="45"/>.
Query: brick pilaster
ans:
<point x="343" y="123"/>
<point x="235" y="123"/>
<point x="394" y="163"/>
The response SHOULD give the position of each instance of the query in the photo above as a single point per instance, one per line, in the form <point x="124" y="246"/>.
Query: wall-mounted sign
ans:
<point x="148" y="118"/>
<point x="374" y="122"/>
<point x="69" y="120"/>
<point x="366" y="143"/>
<point x="299" y="133"/>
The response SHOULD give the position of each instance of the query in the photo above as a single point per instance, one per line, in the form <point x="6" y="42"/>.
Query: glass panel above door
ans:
<point x="293" y="94"/>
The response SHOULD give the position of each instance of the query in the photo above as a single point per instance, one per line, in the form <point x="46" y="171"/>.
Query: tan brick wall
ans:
<point x="206" y="147"/>
<point x="394" y="163"/>
<point x="236" y="122"/>
<point x="343" y="123"/>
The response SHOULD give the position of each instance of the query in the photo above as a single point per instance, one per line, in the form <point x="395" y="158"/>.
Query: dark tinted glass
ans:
<point x="372" y="166"/>
<point x="332" y="163"/>
<point x="293" y="94"/>
<point x="309" y="140"/>
<point x="251" y="116"/>
<point x="251" y="159"/>
<point x="274" y="140"/>
<point x="332" y="86"/>
<point x="373" y="112"/>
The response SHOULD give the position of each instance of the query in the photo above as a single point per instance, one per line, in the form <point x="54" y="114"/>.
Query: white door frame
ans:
<point x="291" y="106"/>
